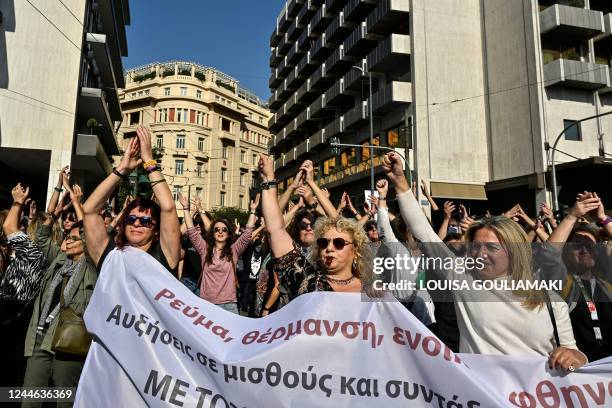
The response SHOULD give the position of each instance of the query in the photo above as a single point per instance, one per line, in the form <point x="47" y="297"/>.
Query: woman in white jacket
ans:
<point x="497" y="321"/>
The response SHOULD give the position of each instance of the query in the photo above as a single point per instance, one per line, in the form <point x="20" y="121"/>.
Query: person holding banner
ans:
<point x="219" y="254"/>
<point x="146" y="225"/>
<point x="495" y="321"/>
<point x="341" y="251"/>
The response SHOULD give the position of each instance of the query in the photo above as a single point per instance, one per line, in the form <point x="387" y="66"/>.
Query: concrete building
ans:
<point x="210" y="130"/>
<point x="60" y="67"/>
<point x="471" y="91"/>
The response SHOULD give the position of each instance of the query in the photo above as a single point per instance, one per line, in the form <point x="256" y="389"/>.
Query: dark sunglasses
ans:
<point x="146" y="222"/>
<point x="339" y="243"/>
<point x="303" y="226"/>
<point x="68" y="217"/>
<point x="220" y="229"/>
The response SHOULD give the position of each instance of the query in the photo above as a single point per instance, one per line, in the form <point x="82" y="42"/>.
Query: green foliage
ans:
<point x="225" y="85"/>
<point x="200" y="75"/>
<point x="144" y="77"/>
<point x="185" y="72"/>
<point x="231" y="213"/>
<point x="167" y="72"/>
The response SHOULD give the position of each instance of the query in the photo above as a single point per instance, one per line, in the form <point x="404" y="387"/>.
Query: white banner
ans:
<point x="160" y="345"/>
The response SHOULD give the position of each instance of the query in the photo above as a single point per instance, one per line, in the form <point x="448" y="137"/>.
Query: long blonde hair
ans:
<point x="363" y="263"/>
<point x="514" y="240"/>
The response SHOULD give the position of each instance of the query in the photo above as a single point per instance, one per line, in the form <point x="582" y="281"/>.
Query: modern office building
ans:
<point x="470" y="92"/>
<point x="209" y="129"/>
<point x="60" y="67"/>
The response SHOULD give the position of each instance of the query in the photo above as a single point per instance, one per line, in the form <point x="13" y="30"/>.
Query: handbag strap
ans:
<point x="551" y="313"/>
<point x="62" y="300"/>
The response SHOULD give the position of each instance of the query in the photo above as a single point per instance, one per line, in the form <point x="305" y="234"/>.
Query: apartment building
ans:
<point x="209" y="129"/>
<point x="60" y="67"/>
<point x="469" y="92"/>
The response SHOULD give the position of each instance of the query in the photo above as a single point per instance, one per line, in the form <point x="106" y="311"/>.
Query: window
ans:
<point x="163" y="115"/>
<point x="393" y="138"/>
<point x="224" y="152"/>
<point x="140" y="93"/>
<point x="199" y="192"/>
<point x="175" y="192"/>
<point x="254" y="159"/>
<point x="199" y="169"/>
<point x="200" y="143"/>
<point x="182" y="115"/>
<point x="242" y="178"/>
<point x="241" y="201"/>
<point x="134" y="118"/>
<point x="160" y="141"/>
<point x="573" y="133"/>
<point x="261" y="120"/>
<point x="147" y="91"/>
<point x="224" y="175"/>
<point x="242" y="156"/>
<point x="166" y="91"/>
<point x="183" y="91"/>
<point x="329" y="165"/>
<point x="178" y="167"/>
<point x="199" y="94"/>
<point x="226" y="125"/>
<point x="180" y="141"/>
<point x="251" y="115"/>
<point x="222" y="199"/>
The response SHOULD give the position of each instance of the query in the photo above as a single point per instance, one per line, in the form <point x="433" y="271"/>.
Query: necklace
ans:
<point x="341" y="282"/>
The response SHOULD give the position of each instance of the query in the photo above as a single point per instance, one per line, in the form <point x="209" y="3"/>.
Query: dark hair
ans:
<point x="107" y="214"/>
<point x="369" y="225"/>
<point x="603" y="266"/>
<point x="5" y="250"/>
<point x="142" y="204"/>
<point x="294" y="227"/>
<point x="452" y="237"/>
<point x="226" y="253"/>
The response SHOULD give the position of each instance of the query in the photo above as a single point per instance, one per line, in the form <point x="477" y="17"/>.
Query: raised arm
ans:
<point x="581" y="207"/>
<point x="169" y="227"/>
<point x="425" y="191"/>
<point x="187" y="219"/>
<point x="449" y="207"/>
<point x="328" y="207"/>
<point x="75" y="196"/>
<point x="298" y="181"/>
<point x="280" y="240"/>
<point x="11" y="222"/>
<point x="384" y="225"/>
<point x="95" y="232"/>
<point x="57" y="190"/>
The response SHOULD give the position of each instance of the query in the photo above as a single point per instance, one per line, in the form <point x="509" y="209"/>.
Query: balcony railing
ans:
<point x="339" y="28"/>
<point x="342" y="172"/>
<point x="388" y="15"/>
<point x="320" y="20"/>
<point x="307" y="11"/>
<point x="356" y="10"/>
<point x="567" y="22"/>
<point x="392" y="95"/>
<point x="391" y="52"/>
<point x="576" y="74"/>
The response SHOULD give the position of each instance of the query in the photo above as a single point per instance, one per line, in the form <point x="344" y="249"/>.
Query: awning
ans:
<point x="458" y="191"/>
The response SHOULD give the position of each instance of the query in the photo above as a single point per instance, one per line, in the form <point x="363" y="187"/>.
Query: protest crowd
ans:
<point x="300" y="242"/>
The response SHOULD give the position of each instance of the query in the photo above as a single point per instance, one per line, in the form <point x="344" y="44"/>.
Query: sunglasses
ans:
<point x="303" y="226"/>
<point x="220" y="229"/>
<point x="146" y="222"/>
<point x="339" y="243"/>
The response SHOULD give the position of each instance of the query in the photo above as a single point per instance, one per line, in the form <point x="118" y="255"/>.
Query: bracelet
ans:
<point x="154" y="183"/>
<point x="253" y="212"/>
<point x="151" y="169"/>
<point x="266" y="185"/>
<point x="605" y="222"/>
<point x="267" y="309"/>
<point x="17" y="204"/>
<point x="382" y="198"/>
<point x="117" y="173"/>
<point x="59" y="190"/>
<point x="149" y="163"/>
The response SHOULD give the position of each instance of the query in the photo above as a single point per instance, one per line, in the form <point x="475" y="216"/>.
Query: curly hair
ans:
<point x="363" y="267"/>
<point x="226" y="252"/>
<point x="143" y="204"/>
<point x="294" y="226"/>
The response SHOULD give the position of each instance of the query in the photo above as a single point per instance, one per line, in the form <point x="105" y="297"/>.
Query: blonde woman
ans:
<point x="496" y="321"/>
<point x="340" y="251"/>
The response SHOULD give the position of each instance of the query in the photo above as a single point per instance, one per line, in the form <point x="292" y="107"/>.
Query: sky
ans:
<point x="230" y="35"/>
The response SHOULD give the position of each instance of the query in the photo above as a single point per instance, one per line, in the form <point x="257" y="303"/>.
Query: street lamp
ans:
<point x="371" y="124"/>
<point x="554" y="149"/>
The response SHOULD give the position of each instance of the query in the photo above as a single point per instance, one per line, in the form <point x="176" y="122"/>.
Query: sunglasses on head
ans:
<point x="220" y="229"/>
<point x="303" y="226"/>
<point x="339" y="243"/>
<point x="146" y="222"/>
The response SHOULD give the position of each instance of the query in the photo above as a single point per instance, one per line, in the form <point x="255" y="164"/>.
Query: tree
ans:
<point x="231" y="213"/>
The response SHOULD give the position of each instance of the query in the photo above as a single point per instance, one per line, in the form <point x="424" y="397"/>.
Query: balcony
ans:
<point x="305" y="92"/>
<point x="274" y="102"/>
<point x="295" y="30"/>
<point x="336" y="95"/>
<point x="321" y="48"/>
<point x="301" y="150"/>
<point x="275" y="38"/>
<point x="308" y="10"/>
<point x="576" y="74"/>
<point x="283" y="68"/>
<point x="566" y="22"/>
<point x="305" y="38"/>
<point x="338" y="29"/>
<point x="280" y="162"/>
<point x="320" y="79"/>
<point x="274" y="81"/>
<point x="391" y="96"/>
<point x="608" y="24"/>
<point x="283" y="21"/>
<point x="307" y="65"/>
<point x="93" y="104"/>
<point x="389" y="15"/>
<point x="318" y="107"/>
<point x="335" y="128"/>
<point x="227" y="136"/>
<point x="359" y="43"/>
<point x="293" y="7"/>
<point x="295" y="54"/>
<point x="357" y="10"/>
<point x="90" y="156"/>
<point x="101" y="53"/>
<point x="317" y="140"/>
<point x="284" y="46"/>
<point x="356" y="117"/>
<point x="293" y="80"/>
<point x="320" y="20"/>
<point x="334" y="6"/>
<point x="338" y="62"/>
<point x="275" y="58"/>
<point x="353" y="79"/>
<point x="391" y="52"/>
<point x="290" y="128"/>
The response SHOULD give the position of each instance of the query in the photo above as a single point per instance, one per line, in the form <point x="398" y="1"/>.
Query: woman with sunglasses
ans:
<point x="219" y="253"/>
<point x="496" y="321"/>
<point x="146" y="225"/>
<point x="341" y="254"/>
<point x="71" y="277"/>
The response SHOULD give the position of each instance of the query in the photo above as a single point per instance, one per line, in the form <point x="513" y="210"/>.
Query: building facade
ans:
<point x="60" y="67"/>
<point x="209" y="129"/>
<point x="469" y="92"/>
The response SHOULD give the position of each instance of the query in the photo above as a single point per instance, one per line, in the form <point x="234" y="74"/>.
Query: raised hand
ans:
<point x="76" y="194"/>
<point x="382" y="186"/>
<point x="266" y="167"/>
<point x="32" y="209"/>
<point x="144" y="138"/>
<point x="343" y="202"/>
<point x="308" y="169"/>
<point x="584" y="205"/>
<point x="184" y="201"/>
<point x="131" y="157"/>
<point x="255" y="203"/>
<point x="325" y="192"/>
<point x="373" y="200"/>
<point x="20" y="194"/>
<point x="298" y="180"/>
<point x="449" y="208"/>
<point x="392" y="166"/>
